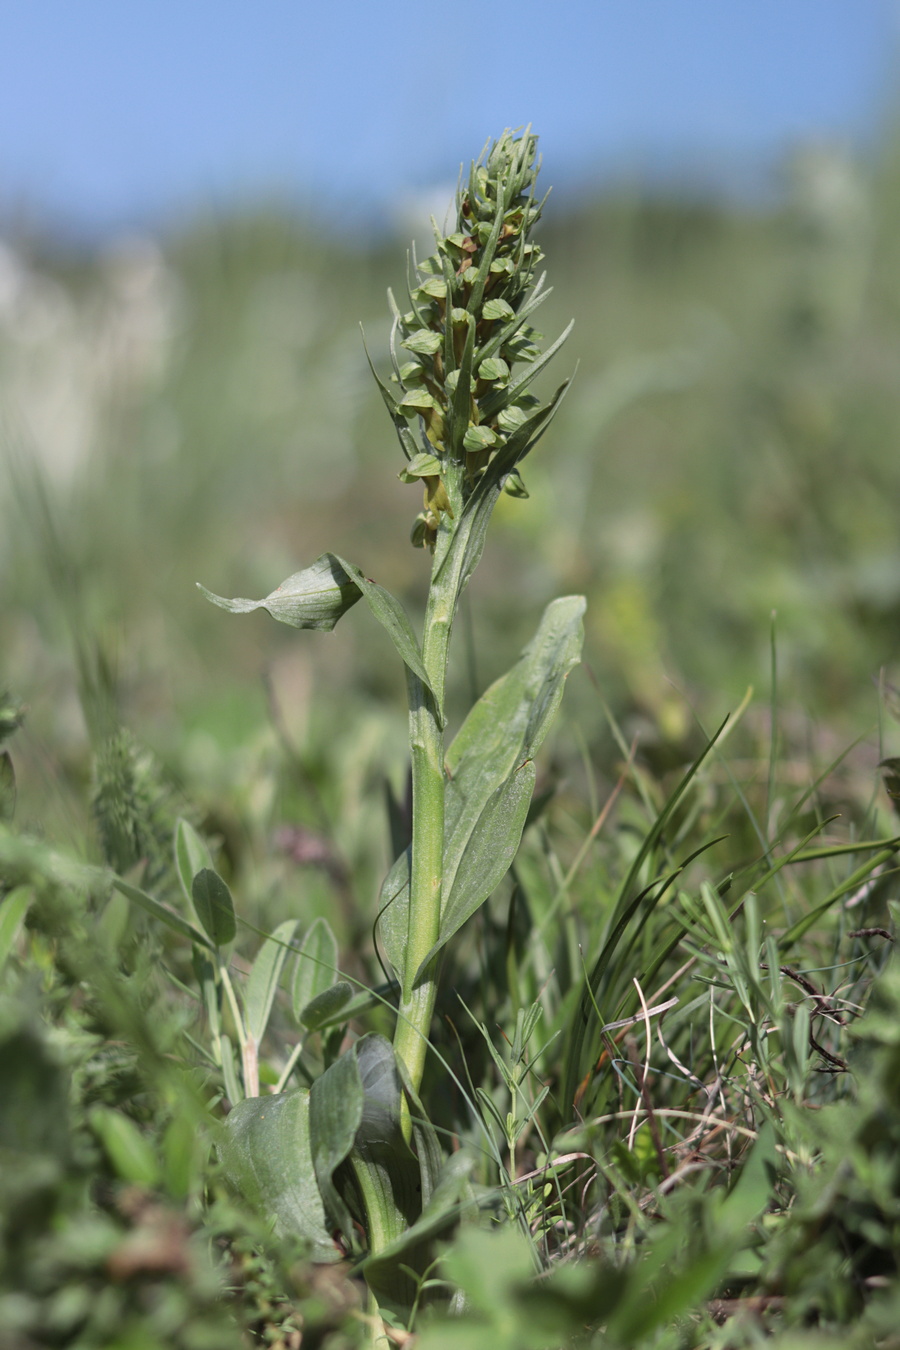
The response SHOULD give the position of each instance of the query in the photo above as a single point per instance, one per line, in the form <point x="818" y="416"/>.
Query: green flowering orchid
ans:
<point x="464" y="358"/>
<point x="470" y="351"/>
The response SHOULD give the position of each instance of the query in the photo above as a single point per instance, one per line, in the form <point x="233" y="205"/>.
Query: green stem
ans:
<point x="426" y="741"/>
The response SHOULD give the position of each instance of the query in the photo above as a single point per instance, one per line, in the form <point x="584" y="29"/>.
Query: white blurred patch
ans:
<point x="68" y="361"/>
<point x="413" y="211"/>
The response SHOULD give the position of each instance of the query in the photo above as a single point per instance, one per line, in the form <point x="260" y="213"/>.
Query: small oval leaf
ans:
<point x="326" y="1006"/>
<point x="214" y="906"/>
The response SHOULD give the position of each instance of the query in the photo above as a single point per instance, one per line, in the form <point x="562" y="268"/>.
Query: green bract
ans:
<point x="313" y="598"/>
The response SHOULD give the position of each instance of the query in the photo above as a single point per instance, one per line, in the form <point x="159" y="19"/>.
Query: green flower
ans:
<point x="470" y="352"/>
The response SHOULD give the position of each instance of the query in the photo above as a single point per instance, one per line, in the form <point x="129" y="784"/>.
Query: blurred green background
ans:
<point x="198" y="407"/>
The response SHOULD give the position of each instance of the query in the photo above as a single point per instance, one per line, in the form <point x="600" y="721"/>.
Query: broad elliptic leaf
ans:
<point x="392" y="1171"/>
<point x="489" y="781"/>
<point x="511" y="719"/>
<point x="162" y="912"/>
<point x="265" y="973"/>
<point x="508" y="724"/>
<point x="267" y="1157"/>
<point x="313" y="598"/>
<point x="490" y="852"/>
<point x="191" y="856"/>
<point x="335" y="1112"/>
<point x="394" y="1174"/>
<point x="214" y="906"/>
<point x="317" y="965"/>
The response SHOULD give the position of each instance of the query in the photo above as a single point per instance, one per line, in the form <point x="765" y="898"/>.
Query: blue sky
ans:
<point x="121" y="112"/>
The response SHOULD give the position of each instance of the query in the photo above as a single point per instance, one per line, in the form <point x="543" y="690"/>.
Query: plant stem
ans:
<point x="426" y="740"/>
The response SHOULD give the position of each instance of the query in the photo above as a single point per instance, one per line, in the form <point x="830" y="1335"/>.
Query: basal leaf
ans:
<point x="425" y="1139"/>
<point x="389" y="1274"/>
<point x="267" y="1156"/>
<point x="442" y="1210"/>
<point x="214" y="906"/>
<point x="335" y="1112"/>
<point x="391" y="1170"/>
<point x="316" y="966"/>
<point x="262" y="982"/>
